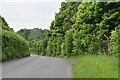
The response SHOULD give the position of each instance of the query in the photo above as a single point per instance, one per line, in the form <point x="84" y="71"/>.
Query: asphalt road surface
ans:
<point x="0" y="70"/>
<point x="36" y="67"/>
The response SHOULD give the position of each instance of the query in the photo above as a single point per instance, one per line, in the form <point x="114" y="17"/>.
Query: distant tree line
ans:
<point x="32" y="34"/>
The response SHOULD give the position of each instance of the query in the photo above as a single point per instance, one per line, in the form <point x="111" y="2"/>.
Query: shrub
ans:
<point x="13" y="46"/>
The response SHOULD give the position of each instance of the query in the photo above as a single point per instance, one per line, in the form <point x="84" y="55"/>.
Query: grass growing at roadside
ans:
<point x="95" y="66"/>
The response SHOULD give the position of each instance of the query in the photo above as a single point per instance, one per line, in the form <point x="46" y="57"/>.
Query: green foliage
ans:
<point x="39" y="46"/>
<point x="52" y="47"/>
<point x="115" y="41"/>
<point x="44" y="45"/>
<point x="58" y="43"/>
<point x="63" y="18"/>
<point x="79" y="28"/>
<point x="33" y="34"/>
<point x="11" y="44"/>
<point x="68" y="42"/>
<point x="63" y="50"/>
<point x="93" y="20"/>
<point x="0" y="43"/>
<point x="4" y="25"/>
<point x="49" y="47"/>
<point x="77" y="42"/>
<point x="24" y="33"/>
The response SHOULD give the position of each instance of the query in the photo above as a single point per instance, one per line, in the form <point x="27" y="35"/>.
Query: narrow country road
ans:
<point x="36" y="67"/>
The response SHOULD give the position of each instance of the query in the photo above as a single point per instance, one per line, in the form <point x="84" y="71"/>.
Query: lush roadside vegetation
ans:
<point x="13" y="46"/>
<point x="82" y="28"/>
<point x="95" y="66"/>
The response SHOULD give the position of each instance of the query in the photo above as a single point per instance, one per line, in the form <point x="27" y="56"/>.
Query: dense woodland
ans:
<point x="79" y="28"/>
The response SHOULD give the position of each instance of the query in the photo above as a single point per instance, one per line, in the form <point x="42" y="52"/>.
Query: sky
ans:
<point x="29" y="14"/>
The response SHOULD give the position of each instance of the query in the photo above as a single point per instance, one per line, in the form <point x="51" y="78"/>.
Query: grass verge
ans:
<point x="95" y="66"/>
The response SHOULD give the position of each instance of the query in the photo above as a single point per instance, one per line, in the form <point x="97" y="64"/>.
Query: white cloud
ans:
<point x="33" y="0"/>
<point x="29" y="14"/>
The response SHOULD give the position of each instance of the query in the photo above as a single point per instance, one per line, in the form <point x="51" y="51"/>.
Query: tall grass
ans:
<point x="95" y="66"/>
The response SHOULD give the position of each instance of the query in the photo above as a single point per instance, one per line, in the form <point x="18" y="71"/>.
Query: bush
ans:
<point x="13" y="46"/>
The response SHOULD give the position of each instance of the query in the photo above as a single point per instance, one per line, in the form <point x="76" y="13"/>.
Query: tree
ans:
<point x="33" y="34"/>
<point x="115" y="41"/>
<point x="68" y="42"/>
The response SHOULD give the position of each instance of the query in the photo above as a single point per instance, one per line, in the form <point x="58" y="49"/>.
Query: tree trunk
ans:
<point x="108" y="44"/>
